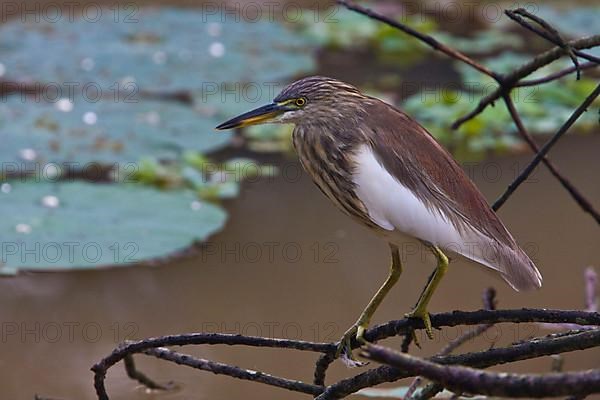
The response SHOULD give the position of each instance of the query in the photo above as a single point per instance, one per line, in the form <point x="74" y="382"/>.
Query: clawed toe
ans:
<point x="423" y="315"/>
<point x="344" y="350"/>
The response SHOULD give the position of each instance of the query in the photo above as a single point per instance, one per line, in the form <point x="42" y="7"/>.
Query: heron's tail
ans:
<point x="510" y="261"/>
<point x="518" y="269"/>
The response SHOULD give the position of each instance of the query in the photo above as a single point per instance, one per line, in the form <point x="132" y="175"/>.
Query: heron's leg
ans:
<point x="358" y="329"/>
<point x="420" y="310"/>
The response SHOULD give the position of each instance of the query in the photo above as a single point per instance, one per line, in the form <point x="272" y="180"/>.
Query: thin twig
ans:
<point x="38" y="397"/>
<point x="549" y="34"/>
<point x="129" y="348"/>
<point x="583" y="202"/>
<point x="135" y="374"/>
<point x="235" y="372"/>
<point x="507" y="81"/>
<point x="527" y="69"/>
<point x="489" y="304"/>
<point x="546" y="148"/>
<point x="430" y="40"/>
<point x="408" y="339"/>
<point x="591" y="289"/>
<point x="590" y="278"/>
<point x="556" y="75"/>
<point x="412" y="388"/>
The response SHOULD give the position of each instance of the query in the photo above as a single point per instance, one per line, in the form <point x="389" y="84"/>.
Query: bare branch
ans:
<point x="525" y="70"/>
<point x="422" y="37"/>
<point x="235" y="372"/>
<point x="549" y="33"/>
<point x="321" y="366"/>
<point x="522" y="351"/>
<point x="474" y="381"/>
<point x="545" y="149"/>
<point x="556" y="75"/>
<point x="141" y="346"/>
<point x="489" y="303"/>
<point x="133" y="373"/>
<point x="591" y="289"/>
<point x="583" y="202"/>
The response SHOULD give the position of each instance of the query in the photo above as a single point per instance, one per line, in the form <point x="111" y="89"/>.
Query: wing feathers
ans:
<point x="426" y="194"/>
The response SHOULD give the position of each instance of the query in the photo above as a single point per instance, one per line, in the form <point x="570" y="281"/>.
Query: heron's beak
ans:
<point x="257" y="116"/>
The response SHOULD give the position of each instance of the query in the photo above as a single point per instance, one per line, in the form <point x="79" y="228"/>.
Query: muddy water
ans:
<point x="288" y="265"/>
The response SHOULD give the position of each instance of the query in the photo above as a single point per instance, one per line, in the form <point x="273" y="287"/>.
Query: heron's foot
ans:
<point x="422" y="314"/>
<point x="344" y="350"/>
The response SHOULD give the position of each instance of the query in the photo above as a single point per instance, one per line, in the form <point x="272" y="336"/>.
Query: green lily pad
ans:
<point x="156" y="49"/>
<point x="95" y="76"/>
<point x="80" y="131"/>
<point x="339" y="28"/>
<point x="75" y="225"/>
<point x="269" y="138"/>
<point x="212" y="181"/>
<point x="482" y="42"/>
<point x="345" y="29"/>
<point x="543" y="108"/>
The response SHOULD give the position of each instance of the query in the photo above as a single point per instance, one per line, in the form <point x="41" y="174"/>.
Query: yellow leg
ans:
<point x="420" y="310"/>
<point x="358" y="329"/>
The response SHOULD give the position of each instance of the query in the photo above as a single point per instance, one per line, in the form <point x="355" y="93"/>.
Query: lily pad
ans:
<point x="106" y="132"/>
<point x="212" y="181"/>
<point x="543" y="108"/>
<point x="344" y="29"/>
<point x="482" y="42"/>
<point x="269" y="138"/>
<point x="75" y="225"/>
<point x="156" y="49"/>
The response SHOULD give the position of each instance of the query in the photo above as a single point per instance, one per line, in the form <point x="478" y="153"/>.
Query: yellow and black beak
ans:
<point x="257" y="116"/>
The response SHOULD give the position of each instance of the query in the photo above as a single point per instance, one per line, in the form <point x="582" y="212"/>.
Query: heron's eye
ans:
<point x="300" y="102"/>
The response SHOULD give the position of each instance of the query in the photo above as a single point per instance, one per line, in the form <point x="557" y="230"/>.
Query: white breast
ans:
<point x="393" y="206"/>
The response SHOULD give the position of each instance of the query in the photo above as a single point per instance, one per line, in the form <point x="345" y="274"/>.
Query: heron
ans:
<point x="382" y="168"/>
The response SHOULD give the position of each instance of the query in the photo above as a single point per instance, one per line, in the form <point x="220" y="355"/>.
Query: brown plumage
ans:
<point x="416" y="160"/>
<point x="382" y="168"/>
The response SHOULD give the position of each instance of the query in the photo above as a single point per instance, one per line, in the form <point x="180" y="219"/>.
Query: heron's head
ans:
<point x="311" y="100"/>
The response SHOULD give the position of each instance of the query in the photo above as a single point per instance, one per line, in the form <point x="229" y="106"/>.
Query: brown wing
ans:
<point x="410" y="154"/>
